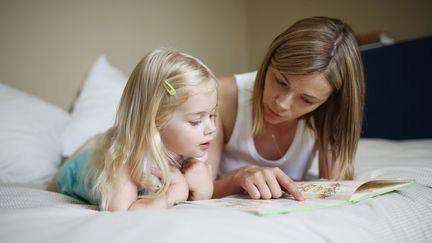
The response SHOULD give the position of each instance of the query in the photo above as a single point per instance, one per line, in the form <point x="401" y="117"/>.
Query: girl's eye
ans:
<point x="212" y="116"/>
<point x="195" y="123"/>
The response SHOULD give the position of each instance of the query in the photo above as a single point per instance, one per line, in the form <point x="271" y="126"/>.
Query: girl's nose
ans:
<point x="211" y="127"/>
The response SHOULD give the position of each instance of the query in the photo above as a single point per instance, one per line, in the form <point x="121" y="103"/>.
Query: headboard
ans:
<point x="399" y="90"/>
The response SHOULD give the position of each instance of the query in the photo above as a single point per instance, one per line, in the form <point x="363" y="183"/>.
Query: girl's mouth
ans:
<point x="205" y="146"/>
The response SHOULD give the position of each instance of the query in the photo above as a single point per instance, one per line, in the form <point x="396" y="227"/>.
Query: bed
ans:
<point x="35" y="135"/>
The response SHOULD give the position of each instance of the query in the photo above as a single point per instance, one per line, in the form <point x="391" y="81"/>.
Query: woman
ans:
<point x="306" y="98"/>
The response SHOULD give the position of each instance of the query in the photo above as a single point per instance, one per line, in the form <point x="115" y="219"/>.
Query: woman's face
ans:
<point x="289" y="97"/>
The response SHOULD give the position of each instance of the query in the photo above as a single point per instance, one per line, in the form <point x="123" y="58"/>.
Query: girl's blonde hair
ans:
<point x="322" y="45"/>
<point x="144" y="109"/>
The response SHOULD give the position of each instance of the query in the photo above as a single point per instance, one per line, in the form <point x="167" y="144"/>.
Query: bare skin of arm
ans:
<point x="125" y="192"/>
<point x="198" y="175"/>
<point x="258" y="182"/>
<point x="194" y="182"/>
<point x="125" y="195"/>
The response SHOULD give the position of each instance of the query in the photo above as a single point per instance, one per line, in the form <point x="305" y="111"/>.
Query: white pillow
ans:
<point x="95" y="108"/>
<point x="30" y="137"/>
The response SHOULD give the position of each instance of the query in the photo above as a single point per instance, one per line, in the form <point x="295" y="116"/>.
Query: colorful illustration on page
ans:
<point x="323" y="190"/>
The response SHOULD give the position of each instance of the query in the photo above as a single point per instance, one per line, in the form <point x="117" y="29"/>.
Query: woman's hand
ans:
<point x="199" y="179"/>
<point x="264" y="182"/>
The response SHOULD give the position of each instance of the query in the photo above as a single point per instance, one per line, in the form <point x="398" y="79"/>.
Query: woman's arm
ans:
<point x="258" y="182"/>
<point x="227" y="112"/>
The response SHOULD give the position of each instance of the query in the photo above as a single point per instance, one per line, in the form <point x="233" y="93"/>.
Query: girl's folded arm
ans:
<point x="177" y="191"/>
<point x="124" y="194"/>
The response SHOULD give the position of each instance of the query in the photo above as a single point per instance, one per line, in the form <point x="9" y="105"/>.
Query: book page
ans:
<point x="377" y="187"/>
<point x="267" y="206"/>
<point x="317" y="194"/>
<point x="332" y="190"/>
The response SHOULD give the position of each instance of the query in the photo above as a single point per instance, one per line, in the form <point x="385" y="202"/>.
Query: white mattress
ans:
<point x="30" y="214"/>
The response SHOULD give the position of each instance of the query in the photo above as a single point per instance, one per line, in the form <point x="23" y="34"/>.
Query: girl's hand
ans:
<point x="199" y="179"/>
<point x="265" y="182"/>
<point x="177" y="191"/>
<point x="157" y="202"/>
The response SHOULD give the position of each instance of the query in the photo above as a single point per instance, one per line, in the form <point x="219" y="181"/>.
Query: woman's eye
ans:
<point x="195" y="123"/>
<point x="307" y="101"/>
<point x="281" y="83"/>
<point x="212" y="116"/>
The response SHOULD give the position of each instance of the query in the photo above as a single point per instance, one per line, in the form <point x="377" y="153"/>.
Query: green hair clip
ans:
<point x="169" y="88"/>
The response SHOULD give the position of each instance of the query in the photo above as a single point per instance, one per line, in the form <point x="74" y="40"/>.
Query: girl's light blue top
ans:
<point x="72" y="179"/>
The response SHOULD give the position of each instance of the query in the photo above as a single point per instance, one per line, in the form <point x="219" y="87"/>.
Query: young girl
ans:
<point x="151" y="156"/>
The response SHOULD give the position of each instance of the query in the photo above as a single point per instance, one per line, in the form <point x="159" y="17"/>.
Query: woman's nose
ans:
<point x="284" y="101"/>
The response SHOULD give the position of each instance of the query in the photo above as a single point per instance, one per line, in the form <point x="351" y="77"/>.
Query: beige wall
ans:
<point x="401" y="19"/>
<point x="47" y="46"/>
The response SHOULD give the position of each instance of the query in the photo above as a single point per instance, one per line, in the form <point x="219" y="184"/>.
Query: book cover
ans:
<point x="317" y="194"/>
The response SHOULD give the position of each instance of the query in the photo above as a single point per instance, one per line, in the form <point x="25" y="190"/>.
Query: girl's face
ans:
<point x="192" y="127"/>
<point x="289" y="97"/>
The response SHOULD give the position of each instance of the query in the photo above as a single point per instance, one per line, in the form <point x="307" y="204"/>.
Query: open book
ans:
<point x="317" y="194"/>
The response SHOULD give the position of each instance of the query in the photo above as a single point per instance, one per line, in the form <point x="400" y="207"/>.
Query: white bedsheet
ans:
<point x="29" y="214"/>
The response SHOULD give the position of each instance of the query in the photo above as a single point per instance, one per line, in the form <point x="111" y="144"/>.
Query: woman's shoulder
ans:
<point x="227" y="94"/>
<point x="245" y="80"/>
<point x="228" y="86"/>
<point x="228" y="99"/>
<point x="227" y="104"/>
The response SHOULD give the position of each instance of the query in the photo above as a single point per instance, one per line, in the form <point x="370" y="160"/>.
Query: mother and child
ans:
<point x="167" y="145"/>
